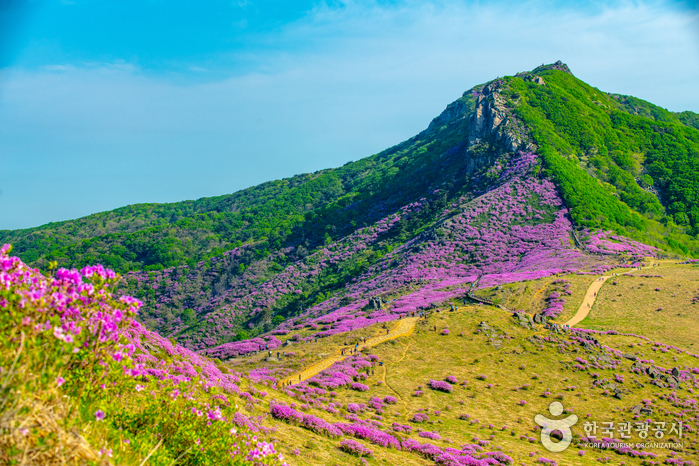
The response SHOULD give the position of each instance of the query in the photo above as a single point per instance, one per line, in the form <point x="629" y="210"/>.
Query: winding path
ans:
<point x="405" y="327"/>
<point x="590" y="298"/>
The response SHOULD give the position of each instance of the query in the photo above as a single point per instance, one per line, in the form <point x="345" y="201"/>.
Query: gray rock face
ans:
<point x="672" y="381"/>
<point x="631" y="357"/>
<point x="493" y="118"/>
<point x="375" y="302"/>
<point x="489" y="121"/>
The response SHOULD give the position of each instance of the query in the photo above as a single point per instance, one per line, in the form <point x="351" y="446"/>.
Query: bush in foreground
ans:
<point x="79" y="387"/>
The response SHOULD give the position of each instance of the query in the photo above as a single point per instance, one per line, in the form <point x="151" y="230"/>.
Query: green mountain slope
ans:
<point x="620" y="163"/>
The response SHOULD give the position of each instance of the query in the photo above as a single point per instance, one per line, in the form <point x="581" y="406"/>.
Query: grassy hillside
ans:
<point x="659" y="305"/>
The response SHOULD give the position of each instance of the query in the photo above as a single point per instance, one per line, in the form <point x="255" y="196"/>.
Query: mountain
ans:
<point x="524" y="176"/>
<point x="523" y="259"/>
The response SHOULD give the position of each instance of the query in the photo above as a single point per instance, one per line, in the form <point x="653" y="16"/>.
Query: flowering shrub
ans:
<point x="420" y="418"/>
<point x="555" y="305"/>
<point x="354" y="448"/>
<point x="285" y="413"/>
<point x="605" y="242"/>
<point x="401" y="428"/>
<point x="440" y="386"/>
<point x="430" y="435"/>
<point x="354" y="408"/>
<point x="69" y="349"/>
<point x="375" y="436"/>
<point x="451" y="379"/>
<point x="308" y="421"/>
<point x="360" y="387"/>
<point x="390" y="400"/>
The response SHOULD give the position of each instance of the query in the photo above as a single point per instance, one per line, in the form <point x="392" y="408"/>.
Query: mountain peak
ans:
<point x="559" y="65"/>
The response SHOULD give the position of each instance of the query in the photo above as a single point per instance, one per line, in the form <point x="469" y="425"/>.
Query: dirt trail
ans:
<point x="405" y="327"/>
<point x="591" y="297"/>
<point x="588" y="301"/>
<point x="383" y="379"/>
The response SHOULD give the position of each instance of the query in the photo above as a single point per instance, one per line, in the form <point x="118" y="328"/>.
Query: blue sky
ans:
<point x="107" y="103"/>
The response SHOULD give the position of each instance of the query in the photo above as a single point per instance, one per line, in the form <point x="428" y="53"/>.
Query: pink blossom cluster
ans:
<point x="606" y="242"/>
<point x="440" y="386"/>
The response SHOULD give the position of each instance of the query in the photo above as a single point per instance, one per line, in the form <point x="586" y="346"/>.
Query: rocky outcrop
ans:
<point x="559" y="65"/>
<point x="455" y="111"/>
<point x="493" y="119"/>
<point x="375" y="302"/>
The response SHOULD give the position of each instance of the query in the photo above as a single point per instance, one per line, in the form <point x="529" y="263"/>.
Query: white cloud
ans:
<point x="340" y="84"/>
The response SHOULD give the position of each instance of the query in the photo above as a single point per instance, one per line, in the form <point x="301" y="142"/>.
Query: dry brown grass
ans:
<point x="34" y="427"/>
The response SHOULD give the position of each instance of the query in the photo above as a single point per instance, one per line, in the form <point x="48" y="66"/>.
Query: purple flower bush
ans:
<point x="372" y="435"/>
<point x="419" y="418"/>
<point x="308" y="421"/>
<point x="605" y="242"/>
<point x="355" y="448"/>
<point x="360" y="387"/>
<point x="555" y="305"/>
<point x="401" y="428"/>
<point x="440" y="386"/>
<point x="429" y="435"/>
<point x="87" y="344"/>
